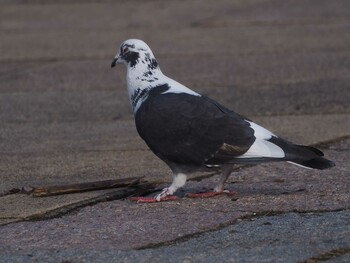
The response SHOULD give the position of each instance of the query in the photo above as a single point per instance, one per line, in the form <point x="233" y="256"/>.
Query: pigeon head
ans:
<point x="133" y="52"/>
<point x="143" y="72"/>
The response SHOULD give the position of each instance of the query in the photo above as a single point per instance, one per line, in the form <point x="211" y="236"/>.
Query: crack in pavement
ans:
<point x="251" y="216"/>
<point x="75" y="207"/>
<point x="331" y="254"/>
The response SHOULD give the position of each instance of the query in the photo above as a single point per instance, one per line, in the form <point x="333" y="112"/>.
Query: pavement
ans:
<point x="65" y="118"/>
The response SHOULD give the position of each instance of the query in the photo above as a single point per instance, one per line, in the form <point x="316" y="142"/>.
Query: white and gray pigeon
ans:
<point x="189" y="131"/>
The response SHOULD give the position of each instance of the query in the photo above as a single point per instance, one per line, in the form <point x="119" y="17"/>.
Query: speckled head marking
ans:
<point x="131" y="57"/>
<point x="142" y="68"/>
<point x="143" y="73"/>
<point x="134" y="51"/>
<point x="141" y="94"/>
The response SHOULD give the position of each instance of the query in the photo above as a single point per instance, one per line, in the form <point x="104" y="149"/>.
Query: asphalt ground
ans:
<point x="65" y="118"/>
<point x="286" y="238"/>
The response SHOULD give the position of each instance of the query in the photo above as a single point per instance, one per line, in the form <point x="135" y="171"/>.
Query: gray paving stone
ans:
<point x="290" y="237"/>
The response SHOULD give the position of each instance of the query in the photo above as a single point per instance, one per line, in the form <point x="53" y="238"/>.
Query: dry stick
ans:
<point x="142" y="187"/>
<point x="83" y="187"/>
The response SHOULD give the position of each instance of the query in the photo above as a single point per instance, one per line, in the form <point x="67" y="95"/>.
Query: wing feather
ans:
<point x="183" y="128"/>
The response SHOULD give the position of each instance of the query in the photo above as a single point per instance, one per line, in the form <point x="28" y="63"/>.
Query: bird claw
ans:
<point x="165" y="195"/>
<point x="165" y="192"/>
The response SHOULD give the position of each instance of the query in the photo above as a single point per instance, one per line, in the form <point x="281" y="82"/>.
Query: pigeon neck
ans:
<point x="140" y="79"/>
<point x="140" y="75"/>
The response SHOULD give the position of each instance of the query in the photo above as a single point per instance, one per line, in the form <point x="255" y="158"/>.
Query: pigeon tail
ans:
<point x="319" y="163"/>
<point x="306" y="156"/>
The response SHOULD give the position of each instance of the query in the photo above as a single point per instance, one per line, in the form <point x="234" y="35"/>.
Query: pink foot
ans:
<point x="152" y="199"/>
<point x="165" y="195"/>
<point x="209" y="194"/>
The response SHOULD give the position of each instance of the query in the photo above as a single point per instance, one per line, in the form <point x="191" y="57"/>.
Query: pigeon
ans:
<point x="192" y="132"/>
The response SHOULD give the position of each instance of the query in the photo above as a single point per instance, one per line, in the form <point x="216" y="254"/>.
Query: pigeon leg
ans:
<point x="179" y="180"/>
<point x="219" y="188"/>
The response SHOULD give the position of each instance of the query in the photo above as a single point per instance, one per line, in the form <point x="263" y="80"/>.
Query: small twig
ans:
<point x="83" y="187"/>
<point x="11" y="192"/>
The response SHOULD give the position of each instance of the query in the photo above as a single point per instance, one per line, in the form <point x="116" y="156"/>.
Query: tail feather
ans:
<point x="306" y="156"/>
<point x="301" y="155"/>
<point x="313" y="149"/>
<point x="315" y="163"/>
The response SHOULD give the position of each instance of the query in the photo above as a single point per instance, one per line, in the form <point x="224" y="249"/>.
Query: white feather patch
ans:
<point x="262" y="147"/>
<point x="300" y="165"/>
<point x="176" y="87"/>
<point x="260" y="132"/>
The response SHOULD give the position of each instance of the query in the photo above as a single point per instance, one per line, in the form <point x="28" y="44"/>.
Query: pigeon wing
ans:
<point x="194" y="130"/>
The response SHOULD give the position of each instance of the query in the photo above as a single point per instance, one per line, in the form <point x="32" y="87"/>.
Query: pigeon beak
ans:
<point x="115" y="61"/>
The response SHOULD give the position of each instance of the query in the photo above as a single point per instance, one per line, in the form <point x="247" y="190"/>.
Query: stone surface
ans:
<point x="290" y="237"/>
<point x="263" y="190"/>
<point x="65" y="118"/>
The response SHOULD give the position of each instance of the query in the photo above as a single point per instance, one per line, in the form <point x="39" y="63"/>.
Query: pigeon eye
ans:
<point x="125" y="50"/>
